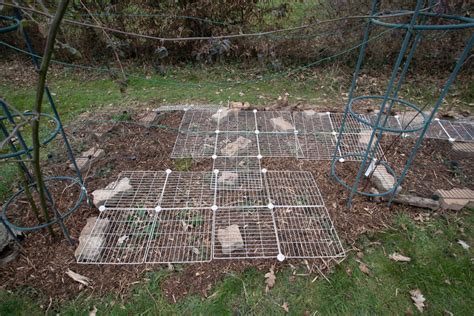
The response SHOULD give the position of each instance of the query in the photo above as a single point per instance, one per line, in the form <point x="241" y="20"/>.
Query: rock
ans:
<point x="232" y="149"/>
<point x="86" y="158"/>
<point x="309" y="113"/>
<point x="281" y="125"/>
<point x="240" y="105"/>
<point x="149" y="119"/>
<point x="111" y="190"/>
<point x="364" y="139"/>
<point x="455" y="199"/>
<point x="230" y="239"/>
<point x="90" y="247"/>
<point x="82" y="163"/>
<point x="222" y="114"/>
<point x="228" y="178"/>
<point x="383" y="180"/>
<point x="5" y="237"/>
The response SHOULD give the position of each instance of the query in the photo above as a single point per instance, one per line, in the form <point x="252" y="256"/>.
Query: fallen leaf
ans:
<point x="399" y="258"/>
<point x="78" y="277"/>
<point x="418" y="299"/>
<point x="285" y="307"/>
<point x="349" y="271"/>
<point x="364" y="268"/>
<point x="463" y="244"/>
<point x="93" y="311"/>
<point x="270" y="280"/>
<point x="360" y="254"/>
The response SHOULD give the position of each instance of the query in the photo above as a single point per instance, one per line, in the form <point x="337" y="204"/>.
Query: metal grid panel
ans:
<point x="194" y="145"/>
<point x="136" y="190"/>
<point x="181" y="236"/>
<point x="436" y="131"/>
<point x="465" y="130"/>
<point x="235" y="120"/>
<point x="279" y="145"/>
<point x="292" y="188"/>
<point x="186" y="190"/>
<point x="242" y="199"/>
<point x="198" y="121"/>
<point x="254" y="238"/>
<point x="307" y="232"/>
<point x="392" y="121"/>
<point x="238" y="173"/>
<point x="352" y="125"/>
<point x="318" y="146"/>
<point x="118" y="237"/>
<point x="266" y="121"/>
<point x="237" y="145"/>
<point x="309" y="122"/>
<point x="357" y="143"/>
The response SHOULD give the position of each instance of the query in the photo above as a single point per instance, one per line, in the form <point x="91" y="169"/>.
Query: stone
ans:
<point x="231" y="149"/>
<point x="223" y="113"/>
<point x="85" y="159"/>
<point x="82" y="163"/>
<point x="383" y="180"/>
<point x="239" y="105"/>
<point x="90" y="247"/>
<point x="281" y="125"/>
<point x="230" y="239"/>
<point x="149" y="119"/>
<point x="455" y="199"/>
<point x="5" y="237"/>
<point x="228" y="178"/>
<point x="364" y="139"/>
<point x="309" y="113"/>
<point x="111" y="190"/>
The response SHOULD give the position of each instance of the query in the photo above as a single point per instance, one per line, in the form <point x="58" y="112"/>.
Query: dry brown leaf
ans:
<point x="285" y="307"/>
<point x="364" y="268"/>
<point x="360" y="254"/>
<point x="418" y="299"/>
<point x="270" y="280"/>
<point x="399" y="258"/>
<point x="78" y="277"/>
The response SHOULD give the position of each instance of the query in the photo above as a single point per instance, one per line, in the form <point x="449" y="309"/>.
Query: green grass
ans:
<point x="440" y="268"/>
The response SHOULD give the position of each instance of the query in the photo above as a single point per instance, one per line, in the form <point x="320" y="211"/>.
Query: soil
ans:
<point x="43" y="262"/>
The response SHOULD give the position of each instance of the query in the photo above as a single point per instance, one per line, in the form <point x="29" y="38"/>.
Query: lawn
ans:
<point x="440" y="268"/>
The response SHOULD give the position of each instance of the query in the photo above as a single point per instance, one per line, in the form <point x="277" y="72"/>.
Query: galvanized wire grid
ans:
<point x="135" y="190"/>
<point x="238" y="173"/>
<point x="181" y="236"/>
<point x="241" y="144"/>
<point x="307" y="232"/>
<point x="248" y="233"/>
<point x="189" y="145"/>
<point x="118" y="237"/>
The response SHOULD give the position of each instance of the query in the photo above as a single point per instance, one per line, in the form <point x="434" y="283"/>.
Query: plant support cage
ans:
<point x="420" y="21"/>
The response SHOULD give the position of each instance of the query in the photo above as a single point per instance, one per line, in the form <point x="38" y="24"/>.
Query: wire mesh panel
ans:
<point x="237" y="145"/>
<point x="352" y="125"/>
<point x="357" y="143"/>
<point x="242" y="199"/>
<point x="309" y="122"/>
<point x="188" y="190"/>
<point x="279" y="145"/>
<point x="234" y="120"/>
<point x="275" y="122"/>
<point x="198" y="121"/>
<point x="135" y="190"/>
<point x="307" y="232"/>
<point x="292" y="188"/>
<point x="238" y="173"/>
<point x="118" y="237"/>
<point x="181" y="236"/>
<point x="248" y="233"/>
<point x="465" y="131"/>
<point x="317" y="146"/>
<point x="194" y="145"/>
